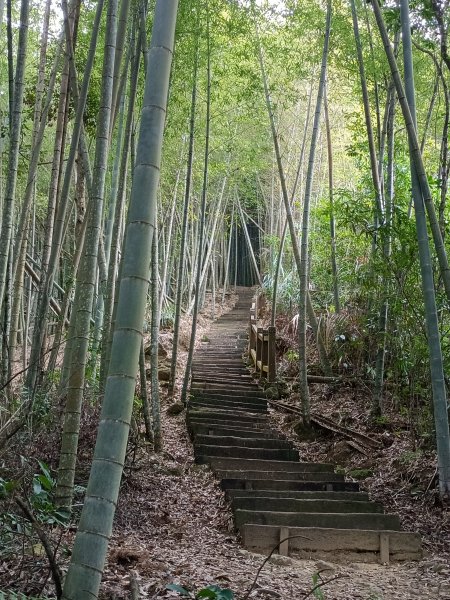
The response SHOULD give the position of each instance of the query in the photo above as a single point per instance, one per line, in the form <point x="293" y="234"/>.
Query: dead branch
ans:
<point x="290" y="537"/>
<point x="55" y="570"/>
<point x="322" y="583"/>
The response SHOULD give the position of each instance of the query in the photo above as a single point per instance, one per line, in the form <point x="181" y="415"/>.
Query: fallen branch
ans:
<point x="56" y="573"/>
<point x="356" y="437"/>
<point x="322" y="583"/>
<point x="290" y="537"/>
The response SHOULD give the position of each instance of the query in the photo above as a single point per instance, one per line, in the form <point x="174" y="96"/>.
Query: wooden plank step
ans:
<point x="308" y="505"/>
<point x="200" y="428"/>
<point x="374" y="521"/>
<point x="282" y="485"/>
<point x="241" y="390"/>
<point x="217" y="371"/>
<point x="264" y="476"/>
<point x="360" y="545"/>
<point x="225" y="415"/>
<point x="229" y="440"/>
<point x="232" y="406"/>
<point x="218" y="456"/>
<point x="257" y="426"/>
<point x="301" y="495"/>
<point x="255" y="464"/>
<point x="231" y="379"/>
<point x="229" y="400"/>
<point x="208" y="394"/>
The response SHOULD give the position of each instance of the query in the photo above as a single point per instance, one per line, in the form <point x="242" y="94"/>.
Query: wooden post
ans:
<point x="264" y="353"/>
<point x="259" y="349"/>
<point x="384" y="548"/>
<point x="271" y="354"/>
<point x="283" y="548"/>
<point x="251" y="334"/>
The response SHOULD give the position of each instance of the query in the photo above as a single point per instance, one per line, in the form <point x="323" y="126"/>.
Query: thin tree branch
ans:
<point x="290" y="537"/>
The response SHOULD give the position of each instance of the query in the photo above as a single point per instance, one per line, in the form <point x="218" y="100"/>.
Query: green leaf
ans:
<point x="45" y="469"/>
<point x="177" y="588"/>
<point x="225" y="594"/>
<point x="207" y="593"/>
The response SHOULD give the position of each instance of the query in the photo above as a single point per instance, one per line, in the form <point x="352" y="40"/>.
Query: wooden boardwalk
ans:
<point x="273" y="494"/>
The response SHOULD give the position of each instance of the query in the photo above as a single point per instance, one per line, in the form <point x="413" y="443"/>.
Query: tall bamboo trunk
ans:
<point x="14" y="147"/>
<point x="333" y="260"/>
<point x="184" y="226"/>
<point x="154" y="343"/>
<point x="304" y="256"/>
<point x="84" y="292"/>
<point x="202" y="218"/>
<point x="110" y="293"/>
<point x="91" y="542"/>
<point x="63" y="206"/>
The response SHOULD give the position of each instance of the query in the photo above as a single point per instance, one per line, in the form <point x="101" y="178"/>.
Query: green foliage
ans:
<point x="41" y="503"/>
<point x="41" y="499"/>
<point x="360" y="473"/>
<point x="213" y="592"/>
<point x="318" y="593"/>
<point x="291" y="355"/>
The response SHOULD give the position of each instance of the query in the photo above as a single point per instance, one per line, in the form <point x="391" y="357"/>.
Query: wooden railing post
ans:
<point x="265" y="353"/>
<point x="271" y="362"/>
<point x="251" y="333"/>
<point x="259" y="350"/>
<point x="261" y="346"/>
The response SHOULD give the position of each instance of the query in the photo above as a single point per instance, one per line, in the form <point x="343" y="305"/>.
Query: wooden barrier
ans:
<point x="261" y="346"/>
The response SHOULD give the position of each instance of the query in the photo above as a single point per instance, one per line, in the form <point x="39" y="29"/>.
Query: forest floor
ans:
<point x="173" y="525"/>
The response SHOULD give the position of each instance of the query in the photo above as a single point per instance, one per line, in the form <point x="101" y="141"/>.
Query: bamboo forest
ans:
<point x="224" y="299"/>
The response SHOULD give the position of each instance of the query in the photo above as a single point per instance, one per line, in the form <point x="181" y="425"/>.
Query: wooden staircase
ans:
<point x="272" y="493"/>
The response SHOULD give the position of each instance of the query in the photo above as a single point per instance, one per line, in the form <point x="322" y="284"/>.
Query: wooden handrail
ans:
<point x="261" y="346"/>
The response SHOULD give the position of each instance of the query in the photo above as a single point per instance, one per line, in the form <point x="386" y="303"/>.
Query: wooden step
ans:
<point x="360" y="545"/>
<point x="216" y="440"/>
<point x="260" y="464"/>
<point x="207" y="429"/>
<point x="307" y="505"/>
<point x="280" y="484"/>
<point x="219" y="456"/>
<point x="264" y="476"/>
<point x="224" y="388"/>
<point x="216" y="415"/>
<point x="232" y="405"/>
<point x="226" y="397"/>
<point x="300" y="495"/>
<point x="374" y="521"/>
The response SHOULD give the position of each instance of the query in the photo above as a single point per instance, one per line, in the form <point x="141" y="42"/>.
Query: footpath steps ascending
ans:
<point x="273" y="494"/>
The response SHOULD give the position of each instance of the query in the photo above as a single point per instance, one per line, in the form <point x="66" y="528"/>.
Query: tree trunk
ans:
<point x="184" y="226"/>
<point x="111" y="288"/>
<point x="84" y="292"/>
<point x="14" y="147"/>
<point x="154" y="343"/>
<point x="334" y="269"/>
<point x="59" y="227"/>
<point x="304" y="256"/>
<point x="91" y="542"/>
<point x="202" y="218"/>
